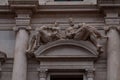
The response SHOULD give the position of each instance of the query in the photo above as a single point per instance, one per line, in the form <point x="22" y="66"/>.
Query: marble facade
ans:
<point x="19" y="21"/>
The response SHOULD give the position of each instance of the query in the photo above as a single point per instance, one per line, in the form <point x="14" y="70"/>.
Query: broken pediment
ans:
<point x="67" y="49"/>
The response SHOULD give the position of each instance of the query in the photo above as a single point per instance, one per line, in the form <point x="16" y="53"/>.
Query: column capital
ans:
<point x="90" y="73"/>
<point x="108" y="28"/>
<point x="27" y="28"/>
<point x="112" y="17"/>
<point x="23" y="19"/>
<point x="42" y="73"/>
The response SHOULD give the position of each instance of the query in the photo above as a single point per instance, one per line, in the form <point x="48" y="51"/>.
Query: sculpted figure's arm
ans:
<point x="31" y="44"/>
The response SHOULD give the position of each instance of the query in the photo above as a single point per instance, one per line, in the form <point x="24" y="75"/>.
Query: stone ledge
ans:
<point x="23" y="2"/>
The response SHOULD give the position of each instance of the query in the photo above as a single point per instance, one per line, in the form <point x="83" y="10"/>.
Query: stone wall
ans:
<point x="46" y="16"/>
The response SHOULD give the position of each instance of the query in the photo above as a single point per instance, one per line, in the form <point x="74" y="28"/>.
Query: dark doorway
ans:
<point x="66" y="77"/>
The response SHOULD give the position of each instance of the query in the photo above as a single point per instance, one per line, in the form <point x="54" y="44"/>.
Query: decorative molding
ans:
<point x="112" y="16"/>
<point x="23" y="5"/>
<point x="23" y="20"/>
<point x="21" y="27"/>
<point x="112" y="20"/>
<point x="83" y="44"/>
<point x="83" y="2"/>
<point x="90" y="73"/>
<point x="42" y="72"/>
<point x="108" y="28"/>
<point x="23" y="1"/>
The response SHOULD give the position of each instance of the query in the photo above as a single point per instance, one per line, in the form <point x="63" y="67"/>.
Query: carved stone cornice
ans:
<point x="42" y="73"/>
<point x="108" y="28"/>
<point x="23" y="4"/>
<point x="23" y="1"/>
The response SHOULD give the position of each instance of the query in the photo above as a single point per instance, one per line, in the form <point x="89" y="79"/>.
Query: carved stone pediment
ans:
<point x="67" y="49"/>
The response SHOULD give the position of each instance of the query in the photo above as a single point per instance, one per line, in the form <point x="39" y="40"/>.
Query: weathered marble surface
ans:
<point x="3" y="2"/>
<point x="113" y="55"/>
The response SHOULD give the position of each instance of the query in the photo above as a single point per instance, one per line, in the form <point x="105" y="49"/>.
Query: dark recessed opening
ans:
<point x="66" y="77"/>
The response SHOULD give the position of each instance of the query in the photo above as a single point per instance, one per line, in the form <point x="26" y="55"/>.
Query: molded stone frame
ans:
<point x="67" y="56"/>
<point x="67" y="74"/>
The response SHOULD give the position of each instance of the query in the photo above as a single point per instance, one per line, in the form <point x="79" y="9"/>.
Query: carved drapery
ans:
<point x="46" y="34"/>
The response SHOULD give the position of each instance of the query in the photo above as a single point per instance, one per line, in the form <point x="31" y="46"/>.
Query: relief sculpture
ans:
<point x="46" y="34"/>
<point x="84" y="32"/>
<point x="43" y="35"/>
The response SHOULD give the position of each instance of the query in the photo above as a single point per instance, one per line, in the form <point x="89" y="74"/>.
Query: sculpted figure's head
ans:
<point x="82" y="25"/>
<point x="71" y="22"/>
<point x="56" y="24"/>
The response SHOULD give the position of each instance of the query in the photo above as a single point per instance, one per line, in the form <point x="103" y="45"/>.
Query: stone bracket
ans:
<point x="90" y="73"/>
<point x="42" y="72"/>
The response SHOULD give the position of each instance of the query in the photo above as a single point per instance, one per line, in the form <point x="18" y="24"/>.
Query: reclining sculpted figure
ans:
<point x="43" y="35"/>
<point x="88" y="33"/>
<point x="85" y="33"/>
<point x="71" y="30"/>
<point x="49" y="33"/>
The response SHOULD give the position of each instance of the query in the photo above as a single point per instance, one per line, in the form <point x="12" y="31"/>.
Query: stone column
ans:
<point x="90" y="74"/>
<point x="113" y="51"/>
<point x="43" y="74"/>
<point x="113" y="44"/>
<point x="22" y="36"/>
